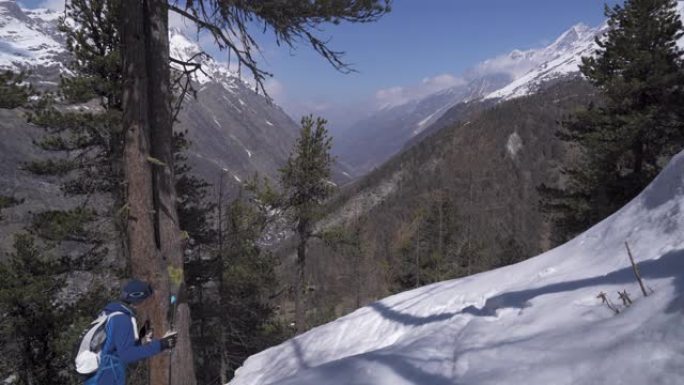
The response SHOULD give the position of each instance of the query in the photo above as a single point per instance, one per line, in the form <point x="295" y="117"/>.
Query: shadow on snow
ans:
<point x="669" y="265"/>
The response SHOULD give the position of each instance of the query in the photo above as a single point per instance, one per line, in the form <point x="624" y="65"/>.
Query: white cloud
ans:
<point x="515" y="64"/>
<point x="442" y="81"/>
<point x="316" y="107"/>
<point x="392" y="96"/>
<point x="275" y="89"/>
<point x="339" y="113"/>
<point x="398" y="95"/>
<point x="181" y="23"/>
<point x="55" y="5"/>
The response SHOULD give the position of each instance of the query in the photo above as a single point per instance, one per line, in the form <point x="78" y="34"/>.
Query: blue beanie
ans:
<point x="135" y="291"/>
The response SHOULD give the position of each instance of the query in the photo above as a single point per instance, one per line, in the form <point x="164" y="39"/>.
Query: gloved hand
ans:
<point x="169" y="340"/>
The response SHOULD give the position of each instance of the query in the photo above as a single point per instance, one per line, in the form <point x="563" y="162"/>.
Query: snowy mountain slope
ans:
<point x="577" y="42"/>
<point x="213" y="71"/>
<point x="29" y="39"/>
<point x="536" y="322"/>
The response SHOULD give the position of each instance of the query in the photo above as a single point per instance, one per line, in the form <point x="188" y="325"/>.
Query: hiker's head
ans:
<point x="135" y="291"/>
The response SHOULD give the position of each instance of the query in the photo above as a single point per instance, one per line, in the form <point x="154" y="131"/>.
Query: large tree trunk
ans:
<point x="154" y="236"/>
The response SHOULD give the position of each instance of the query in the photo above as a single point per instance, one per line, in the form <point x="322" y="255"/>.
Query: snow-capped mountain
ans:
<point x="565" y="56"/>
<point x="183" y="48"/>
<point x="371" y="141"/>
<point x="538" y="322"/>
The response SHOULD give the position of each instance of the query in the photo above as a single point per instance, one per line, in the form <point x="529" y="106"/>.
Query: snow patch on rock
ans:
<point x="514" y="144"/>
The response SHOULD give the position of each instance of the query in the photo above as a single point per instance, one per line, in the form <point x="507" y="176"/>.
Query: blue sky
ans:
<point x="419" y="42"/>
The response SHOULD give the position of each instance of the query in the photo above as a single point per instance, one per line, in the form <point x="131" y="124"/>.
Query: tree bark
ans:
<point x="152" y="226"/>
<point x="300" y="311"/>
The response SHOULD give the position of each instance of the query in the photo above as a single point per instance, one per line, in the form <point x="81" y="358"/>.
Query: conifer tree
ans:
<point x="625" y="140"/>
<point x="248" y="278"/>
<point x="429" y="249"/>
<point x="14" y="91"/>
<point x="82" y="118"/>
<point x="41" y="322"/>
<point x="231" y="282"/>
<point x="306" y="184"/>
<point x="194" y="207"/>
<point x="31" y="324"/>
<point x="7" y="201"/>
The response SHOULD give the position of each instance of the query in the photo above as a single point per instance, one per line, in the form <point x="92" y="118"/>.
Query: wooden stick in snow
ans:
<point x="636" y="270"/>
<point x="604" y="298"/>
<point x="624" y="296"/>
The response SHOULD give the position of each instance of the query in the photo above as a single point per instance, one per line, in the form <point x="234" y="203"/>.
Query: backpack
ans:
<point x="92" y="341"/>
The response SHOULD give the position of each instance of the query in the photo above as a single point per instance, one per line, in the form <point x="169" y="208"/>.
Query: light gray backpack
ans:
<point x="88" y="356"/>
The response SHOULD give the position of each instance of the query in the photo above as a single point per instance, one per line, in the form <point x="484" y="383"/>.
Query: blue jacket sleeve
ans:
<point x="124" y="341"/>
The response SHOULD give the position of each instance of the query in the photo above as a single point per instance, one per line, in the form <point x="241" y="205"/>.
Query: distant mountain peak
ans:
<point x="576" y="35"/>
<point x="183" y="47"/>
<point x="561" y="58"/>
<point x="565" y="54"/>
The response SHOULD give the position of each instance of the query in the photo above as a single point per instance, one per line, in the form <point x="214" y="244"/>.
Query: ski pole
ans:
<point x="174" y="303"/>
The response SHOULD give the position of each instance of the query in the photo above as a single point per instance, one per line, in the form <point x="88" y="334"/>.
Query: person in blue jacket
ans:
<point x="121" y="346"/>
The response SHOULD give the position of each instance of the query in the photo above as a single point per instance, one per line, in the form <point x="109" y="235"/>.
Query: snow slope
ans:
<point x="536" y="322"/>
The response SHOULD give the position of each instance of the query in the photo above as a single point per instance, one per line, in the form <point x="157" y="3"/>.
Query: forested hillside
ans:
<point x="463" y="200"/>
